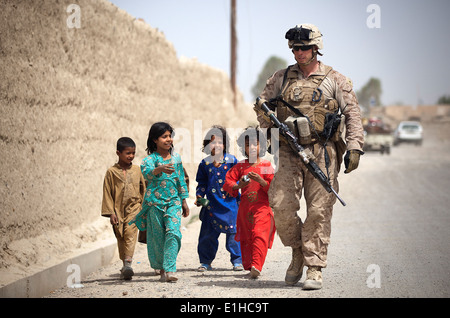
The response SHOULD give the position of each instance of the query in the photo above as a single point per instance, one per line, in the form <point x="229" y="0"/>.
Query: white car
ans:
<point x="408" y="131"/>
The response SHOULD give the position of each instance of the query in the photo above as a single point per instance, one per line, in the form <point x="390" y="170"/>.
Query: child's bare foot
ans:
<point x="170" y="278"/>
<point x="254" y="273"/>
<point x="163" y="275"/>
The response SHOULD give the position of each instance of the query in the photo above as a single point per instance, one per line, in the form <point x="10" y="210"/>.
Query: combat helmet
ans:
<point x="304" y="34"/>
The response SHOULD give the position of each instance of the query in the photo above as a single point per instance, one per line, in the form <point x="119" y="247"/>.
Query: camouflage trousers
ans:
<point x="290" y="180"/>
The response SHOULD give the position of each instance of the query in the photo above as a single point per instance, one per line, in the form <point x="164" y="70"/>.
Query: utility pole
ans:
<point x="233" y="51"/>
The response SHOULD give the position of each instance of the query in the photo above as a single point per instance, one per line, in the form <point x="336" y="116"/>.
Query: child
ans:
<point x="219" y="216"/>
<point x="123" y="192"/>
<point x="255" y="223"/>
<point x="164" y="201"/>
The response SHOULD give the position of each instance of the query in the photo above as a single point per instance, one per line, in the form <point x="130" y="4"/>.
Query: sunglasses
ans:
<point x="302" y="48"/>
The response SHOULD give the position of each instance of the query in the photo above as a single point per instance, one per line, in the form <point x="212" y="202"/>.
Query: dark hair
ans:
<point x="250" y="134"/>
<point x="156" y="131"/>
<point x="216" y="131"/>
<point x="124" y="142"/>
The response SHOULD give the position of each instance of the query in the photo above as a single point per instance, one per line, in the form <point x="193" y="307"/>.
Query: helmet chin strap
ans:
<point x="314" y="55"/>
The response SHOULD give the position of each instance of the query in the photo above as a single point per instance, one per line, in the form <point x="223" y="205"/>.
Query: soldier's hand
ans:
<point x="351" y="160"/>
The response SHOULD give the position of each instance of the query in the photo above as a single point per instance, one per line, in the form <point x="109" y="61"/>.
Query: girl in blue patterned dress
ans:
<point x="164" y="202"/>
<point x="219" y="216"/>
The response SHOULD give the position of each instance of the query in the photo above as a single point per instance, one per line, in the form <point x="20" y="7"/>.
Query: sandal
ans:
<point x="204" y="267"/>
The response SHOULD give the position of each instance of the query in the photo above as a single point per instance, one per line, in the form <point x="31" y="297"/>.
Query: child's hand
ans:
<point x="243" y="183"/>
<point x="185" y="208"/>
<point x="255" y="176"/>
<point x="113" y="219"/>
<point x="167" y="168"/>
<point x="196" y="203"/>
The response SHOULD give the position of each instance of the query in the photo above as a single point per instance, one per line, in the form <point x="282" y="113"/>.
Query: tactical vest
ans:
<point x="306" y="96"/>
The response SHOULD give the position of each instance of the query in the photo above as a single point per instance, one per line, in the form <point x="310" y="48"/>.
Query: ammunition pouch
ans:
<point x="325" y="125"/>
<point x="300" y="127"/>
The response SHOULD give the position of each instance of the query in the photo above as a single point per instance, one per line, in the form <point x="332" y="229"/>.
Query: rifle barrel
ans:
<point x="338" y="197"/>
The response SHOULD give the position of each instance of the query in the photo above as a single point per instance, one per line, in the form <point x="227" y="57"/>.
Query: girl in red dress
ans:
<point x="255" y="222"/>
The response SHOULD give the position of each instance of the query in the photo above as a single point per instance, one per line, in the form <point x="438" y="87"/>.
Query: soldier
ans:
<point x="312" y="91"/>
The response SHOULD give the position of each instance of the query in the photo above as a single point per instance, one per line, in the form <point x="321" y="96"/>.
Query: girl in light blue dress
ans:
<point x="164" y="201"/>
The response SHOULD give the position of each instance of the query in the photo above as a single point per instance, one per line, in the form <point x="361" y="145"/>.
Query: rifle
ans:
<point x="304" y="155"/>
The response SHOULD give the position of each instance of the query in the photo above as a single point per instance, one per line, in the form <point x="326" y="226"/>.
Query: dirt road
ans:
<point x="390" y="241"/>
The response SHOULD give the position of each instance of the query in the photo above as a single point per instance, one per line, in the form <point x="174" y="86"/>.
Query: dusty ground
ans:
<point x="395" y="224"/>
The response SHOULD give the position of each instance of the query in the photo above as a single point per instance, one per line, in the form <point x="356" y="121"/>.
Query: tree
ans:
<point x="370" y="94"/>
<point x="272" y="65"/>
<point x="445" y="99"/>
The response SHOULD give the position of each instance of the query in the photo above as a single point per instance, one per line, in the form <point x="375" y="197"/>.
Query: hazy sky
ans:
<point x="408" y="51"/>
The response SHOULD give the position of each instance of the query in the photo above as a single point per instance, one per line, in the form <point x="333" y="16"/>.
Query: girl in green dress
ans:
<point x="164" y="202"/>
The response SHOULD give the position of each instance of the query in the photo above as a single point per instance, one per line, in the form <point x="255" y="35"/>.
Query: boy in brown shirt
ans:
<point x="123" y="192"/>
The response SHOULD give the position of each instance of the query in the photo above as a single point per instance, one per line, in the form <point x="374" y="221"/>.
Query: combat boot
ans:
<point x="313" y="278"/>
<point x="295" y="269"/>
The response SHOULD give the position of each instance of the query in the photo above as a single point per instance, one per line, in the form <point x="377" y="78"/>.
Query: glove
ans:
<point x="351" y="160"/>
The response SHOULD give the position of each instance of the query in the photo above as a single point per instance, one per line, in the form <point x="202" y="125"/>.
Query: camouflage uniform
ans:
<point x="312" y="235"/>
